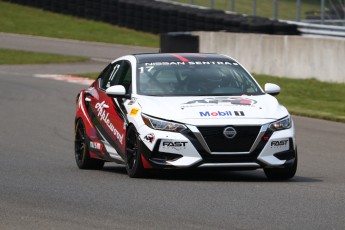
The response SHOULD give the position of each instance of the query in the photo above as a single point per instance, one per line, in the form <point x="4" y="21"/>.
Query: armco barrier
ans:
<point x="161" y="17"/>
<point x="290" y="56"/>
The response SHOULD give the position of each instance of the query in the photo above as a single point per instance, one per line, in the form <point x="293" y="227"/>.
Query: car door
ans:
<point x="109" y="114"/>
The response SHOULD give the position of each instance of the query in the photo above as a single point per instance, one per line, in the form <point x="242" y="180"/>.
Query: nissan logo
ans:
<point x="229" y="132"/>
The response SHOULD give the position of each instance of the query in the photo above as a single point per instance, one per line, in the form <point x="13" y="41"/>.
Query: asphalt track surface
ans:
<point x="42" y="188"/>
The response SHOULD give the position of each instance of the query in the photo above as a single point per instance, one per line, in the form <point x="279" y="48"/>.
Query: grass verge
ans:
<point x="310" y="97"/>
<point x="287" y="9"/>
<point x="25" y="57"/>
<point x="89" y="75"/>
<point x="26" y="20"/>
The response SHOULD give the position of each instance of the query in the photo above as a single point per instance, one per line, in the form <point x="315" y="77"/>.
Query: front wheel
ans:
<point x="281" y="173"/>
<point x="81" y="149"/>
<point x="134" y="164"/>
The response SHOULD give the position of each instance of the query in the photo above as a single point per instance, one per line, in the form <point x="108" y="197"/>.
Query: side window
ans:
<point x="110" y="74"/>
<point x="125" y="76"/>
<point x="103" y="75"/>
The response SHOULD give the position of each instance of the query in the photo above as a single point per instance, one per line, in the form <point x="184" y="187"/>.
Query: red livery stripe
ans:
<point x="180" y="57"/>
<point x="145" y="162"/>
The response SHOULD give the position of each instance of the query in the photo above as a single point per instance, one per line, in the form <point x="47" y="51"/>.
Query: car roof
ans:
<point x="180" y="57"/>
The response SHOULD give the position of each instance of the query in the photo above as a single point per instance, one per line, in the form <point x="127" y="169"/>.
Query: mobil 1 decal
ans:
<point x="224" y="101"/>
<point x="223" y="113"/>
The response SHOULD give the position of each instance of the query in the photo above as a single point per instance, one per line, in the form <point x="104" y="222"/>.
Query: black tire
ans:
<point x="81" y="149"/>
<point x="134" y="164"/>
<point x="281" y="173"/>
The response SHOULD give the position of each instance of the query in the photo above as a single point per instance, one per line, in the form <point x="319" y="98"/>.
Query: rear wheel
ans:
<point x="81" y="149"/>
<point x="282" y="173"/>
<point x="134" y="164"/>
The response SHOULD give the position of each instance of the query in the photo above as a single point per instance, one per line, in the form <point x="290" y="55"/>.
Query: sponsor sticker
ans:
<point x="103" y="116"/>
<point x="149" y="66"/>
<point x="281" y="145"/>
<point x="176" y="145"/>
<point x="134" y="112"/>
<point x="228" y="101"/>
<point x="239" y="113"/>
<point x="95" y="145"/>
<point x="221" y="113"/>
<point x="149" y="138"/>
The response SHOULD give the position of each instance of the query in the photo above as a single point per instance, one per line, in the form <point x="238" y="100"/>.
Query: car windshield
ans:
<point x="194" y="79"/>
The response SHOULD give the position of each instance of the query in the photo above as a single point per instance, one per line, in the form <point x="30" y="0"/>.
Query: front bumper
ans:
<point x="189" y="149"/>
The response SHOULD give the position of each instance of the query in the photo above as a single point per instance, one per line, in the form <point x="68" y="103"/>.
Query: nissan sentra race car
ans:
<point x="179" y="111"/>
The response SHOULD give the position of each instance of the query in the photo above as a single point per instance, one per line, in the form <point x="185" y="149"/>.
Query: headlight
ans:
<point x="284" y="123"/>
<point x="159" y="124"/>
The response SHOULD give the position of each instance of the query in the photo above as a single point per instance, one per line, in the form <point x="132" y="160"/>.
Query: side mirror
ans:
<point x="272" y="89"/>
<point x="117" y="91"/>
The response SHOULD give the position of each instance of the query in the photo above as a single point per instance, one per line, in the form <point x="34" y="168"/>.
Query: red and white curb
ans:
<point x="67" y="78"/>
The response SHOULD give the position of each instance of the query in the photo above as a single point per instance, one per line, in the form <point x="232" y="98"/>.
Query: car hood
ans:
<point x="217" y="110"/>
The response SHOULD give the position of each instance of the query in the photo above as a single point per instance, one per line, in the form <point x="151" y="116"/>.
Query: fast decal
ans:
<point x="103" y="116"/>
<point x="282" y="143"/>
<point x="134" y="112"/>
<point x="221" y="113"/>
<point x="149" y="138"/>
<point x="177" y="145"/>
<point x="95" y="145"/>
<point x="231" y="101"/>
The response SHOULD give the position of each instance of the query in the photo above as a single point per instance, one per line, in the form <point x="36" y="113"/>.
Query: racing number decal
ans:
<point x="149" y="68"/>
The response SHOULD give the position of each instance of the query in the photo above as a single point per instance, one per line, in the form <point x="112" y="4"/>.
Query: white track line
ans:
<point x="67" y="78"/>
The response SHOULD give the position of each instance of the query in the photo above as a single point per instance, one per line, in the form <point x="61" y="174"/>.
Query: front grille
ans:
<point x="242" y="142"/>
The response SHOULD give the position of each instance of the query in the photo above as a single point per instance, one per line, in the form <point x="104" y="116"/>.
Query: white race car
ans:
<point x="183" y="111"/>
